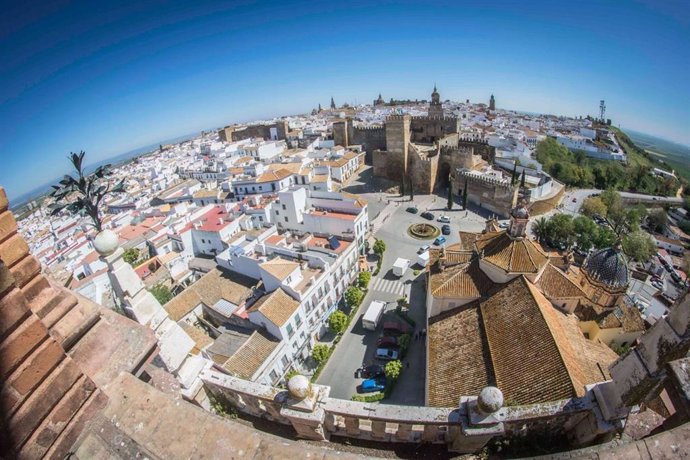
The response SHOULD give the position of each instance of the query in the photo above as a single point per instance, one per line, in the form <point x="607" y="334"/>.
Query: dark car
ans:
<point x="445" y="229"/>
<point x="387" y="341"/>
<point x="412" y="209"/>
<point x="373" y="370"/>
<point x="393" y="328"/>
<point x="427" y="215"/>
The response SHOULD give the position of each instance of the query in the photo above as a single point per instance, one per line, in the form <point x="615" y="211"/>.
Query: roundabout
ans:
<point x="423" y="231"/>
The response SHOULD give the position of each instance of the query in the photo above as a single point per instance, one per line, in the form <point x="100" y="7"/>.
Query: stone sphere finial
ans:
<point x="106" y="242"/>
<point x="490" y="400"/>
<point x="299" y="387"/>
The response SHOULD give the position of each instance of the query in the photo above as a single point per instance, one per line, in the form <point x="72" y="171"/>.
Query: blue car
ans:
<point x="440" y="240"/>
<point x="371" y="385"/>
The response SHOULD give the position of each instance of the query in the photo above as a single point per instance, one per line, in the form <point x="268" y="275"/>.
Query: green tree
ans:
<point x="393" y="369"/>
<point x="337" y="322"/>
<point x="611" y="199"/>
<point x="353" y="296"/>
<point x="514" y="176"/>
<point x="657" y="220"/>
<point x="639" y="246"/>
<point x="593" y="205"/>
<point x="464" y="196"/>
<point x="522" y="179"/>
<point x="561" y="229"/>
<point x="379" y="247"/>
<point x="449" y="205"/>
<point x="686" y="203"/>
<point x="586" y="232"/>
<point x="161" y="293"/>
<point x="320" y="353"/>
<point x="363" y="279"/>
<point x="540" y="229"/>
<point x="605" y="238"/>
<point x="130" y="255"/>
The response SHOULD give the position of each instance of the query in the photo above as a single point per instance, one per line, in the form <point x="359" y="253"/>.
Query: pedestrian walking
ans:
<point x="407" y="364"/>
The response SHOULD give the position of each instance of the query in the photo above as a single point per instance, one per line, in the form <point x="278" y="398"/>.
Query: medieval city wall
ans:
<point x="497" y="196"/>
<point x="430" y="129"/>
<point x="237" y="133"/>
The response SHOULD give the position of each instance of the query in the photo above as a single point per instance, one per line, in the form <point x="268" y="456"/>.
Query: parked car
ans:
<point x="371" y="371"/>
<point x="574" y="200"/>
<point x="503" y="225"/>
<point x="387" y="341"/>
<point x="445" y="229"/>
<point x="412" y="209"/>
<point x="444" y="219"/>
<point x="440" y="240"/>
<point x="387" y="354"/>
<point x="371" y="385"/>
<point x="427" y="215"/>
<point x="423" y="249"/>
<point x="393" y="328"/>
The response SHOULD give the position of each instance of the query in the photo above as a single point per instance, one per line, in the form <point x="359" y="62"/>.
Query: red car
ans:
<point x="387" y="341"/>
<point x="393" y="328"/>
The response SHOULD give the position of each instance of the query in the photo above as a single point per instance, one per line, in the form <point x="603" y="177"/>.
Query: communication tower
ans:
<point x="602" y="110"/>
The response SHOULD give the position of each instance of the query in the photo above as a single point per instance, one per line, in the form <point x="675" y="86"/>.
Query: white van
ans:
<point x="400" y="266"/>
<point x="373" y="315"/>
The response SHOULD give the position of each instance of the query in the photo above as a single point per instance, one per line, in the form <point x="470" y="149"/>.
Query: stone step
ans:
<point x="75" y="324"/>
<point x="58" y="419"/>
<point x="60" y="309"/>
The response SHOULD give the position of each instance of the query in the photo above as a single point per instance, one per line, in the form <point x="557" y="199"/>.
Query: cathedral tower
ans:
<point x="435" y="107"/>
<point x="492" y="103"/>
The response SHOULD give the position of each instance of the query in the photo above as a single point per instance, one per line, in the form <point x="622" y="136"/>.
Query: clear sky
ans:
<point x="108" y="77"/>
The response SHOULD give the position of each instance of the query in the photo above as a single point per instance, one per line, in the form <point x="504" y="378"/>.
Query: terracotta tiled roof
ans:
<point x="516" y="340"/>
<point x="557" y="285"/>
<point x="270" y="176"/>
<point x="510" y="254"/>
<point x="201" y="339"/>
<point x="459" y="360"/>
<point x="623" y="316"/>
<point x="212" y="287"/>
<point x="460" y="276"/>
<point x="247" y="360"/>
<point x="279" y="267"/>
<point x="278" y="307"/>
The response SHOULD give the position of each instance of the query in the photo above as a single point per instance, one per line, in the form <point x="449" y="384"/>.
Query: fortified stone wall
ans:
<point x="370" y="138"/>
<point x="479" y="147"/>
<point x="423" y="171"/>
<point x="238" y="132"/>
<point x="428" y="130"/>
<point x="497" y="196"/>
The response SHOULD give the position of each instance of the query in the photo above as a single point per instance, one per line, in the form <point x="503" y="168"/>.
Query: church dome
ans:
<point x="608" y="266"/>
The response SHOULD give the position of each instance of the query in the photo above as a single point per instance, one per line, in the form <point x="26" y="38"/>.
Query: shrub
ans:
<point x="353" y="296"/>
<point x="379" y="247"/>
<point x="375" y="397"/>
<point x="161" y="293"/>
<point x="320" y="353"/>
<point x="404" y="341"/>
<point x="393" y="369"/>
<point x="130" y="255"/>
<point x="363" y="279"/>
<point x="337" y="322"/>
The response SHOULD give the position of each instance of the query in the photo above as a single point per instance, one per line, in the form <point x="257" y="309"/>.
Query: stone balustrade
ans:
<point x="466" y="428"/>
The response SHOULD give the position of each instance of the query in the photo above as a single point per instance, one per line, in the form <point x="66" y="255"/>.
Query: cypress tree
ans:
<point x="450" y="197"/>
<point x="522" y="180"/>
<point x="514" y="176"/>
<point x="464" y="196"/>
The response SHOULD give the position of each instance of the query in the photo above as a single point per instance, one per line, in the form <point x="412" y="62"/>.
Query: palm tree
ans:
<point x="540" y="228"/>
<point x="83" y="195"/>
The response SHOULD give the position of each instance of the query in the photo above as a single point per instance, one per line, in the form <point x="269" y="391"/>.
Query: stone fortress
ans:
<point x="428" y="151"/>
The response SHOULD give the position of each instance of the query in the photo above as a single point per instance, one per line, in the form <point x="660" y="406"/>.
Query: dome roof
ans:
<point x="608" y="266"/>
<point x="520" y="212"/>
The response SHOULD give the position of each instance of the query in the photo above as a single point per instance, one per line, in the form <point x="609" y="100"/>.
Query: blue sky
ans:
<point x="108" y="77"/>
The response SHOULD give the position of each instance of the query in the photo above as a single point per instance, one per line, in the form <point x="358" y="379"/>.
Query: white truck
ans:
<point x="373" y="315"/>
<point x="400" y="266"/>
<point x="423" y="259"/>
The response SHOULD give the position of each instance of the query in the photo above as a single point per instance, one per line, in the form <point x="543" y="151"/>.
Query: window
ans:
<point x="290" y="330"/>
<point x="284" y="207"/>
<point x="277" y="212"/>
<point x="273" y="375"/>
<point x="285" y="360"/>
<point x="286" y="219"/>
<point x="298" y="320"/>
